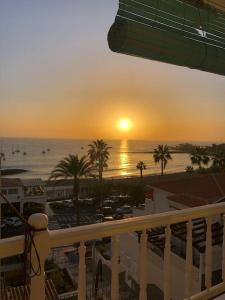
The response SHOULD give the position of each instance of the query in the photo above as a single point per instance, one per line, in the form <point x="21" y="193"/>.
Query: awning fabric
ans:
<point x="187" y="33"/>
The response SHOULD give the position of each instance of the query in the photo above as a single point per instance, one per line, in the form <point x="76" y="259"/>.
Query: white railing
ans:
<point x="45" y="240"/>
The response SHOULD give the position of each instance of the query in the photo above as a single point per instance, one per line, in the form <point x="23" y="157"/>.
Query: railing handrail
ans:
<point x="11" y="246"/>
<point x="62" y="237"/>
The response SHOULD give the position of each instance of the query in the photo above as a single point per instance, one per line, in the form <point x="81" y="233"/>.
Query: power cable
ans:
<point x="29" y="244"/>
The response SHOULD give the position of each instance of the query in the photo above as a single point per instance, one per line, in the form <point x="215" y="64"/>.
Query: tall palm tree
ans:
<point x="162" y="155"/>
<point x="141" y="166"/>
<point x="75" y="168"/>
<point x="99" y="155"/>
<point x="199" y="157"/>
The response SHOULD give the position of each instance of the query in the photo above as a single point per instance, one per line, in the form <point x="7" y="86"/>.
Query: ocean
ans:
<point x="43" y="154"/>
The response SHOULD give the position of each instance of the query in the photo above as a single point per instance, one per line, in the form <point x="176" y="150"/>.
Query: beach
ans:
<point x="39" y="156"/>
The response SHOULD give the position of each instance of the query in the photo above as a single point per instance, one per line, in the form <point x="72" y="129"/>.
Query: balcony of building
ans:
<point x="187" y="229"/>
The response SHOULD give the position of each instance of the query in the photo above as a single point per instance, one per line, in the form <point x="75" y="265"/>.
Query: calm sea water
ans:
<point x="124" y="156"/>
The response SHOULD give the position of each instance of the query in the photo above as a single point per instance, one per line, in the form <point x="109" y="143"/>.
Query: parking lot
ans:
<point x="62" y="215"/>
<point x="60" y="221"/>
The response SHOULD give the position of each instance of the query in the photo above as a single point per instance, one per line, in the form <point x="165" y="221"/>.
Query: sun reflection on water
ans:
<point x="123" y="158"/>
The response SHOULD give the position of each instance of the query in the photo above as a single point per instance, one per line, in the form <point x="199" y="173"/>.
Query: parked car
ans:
<point x="107" y="219"/>
<point x="107" y="211"/>
<point x="99" y="216"/>
<point x="118" y="216"/>
<point x="125" y="209"/>
<point x="68" y="203"/>
<point x="13" y="222"/>
<point x="88" y="201"/>
<point x="109" y="202"/>
<point x="2" y="225"/>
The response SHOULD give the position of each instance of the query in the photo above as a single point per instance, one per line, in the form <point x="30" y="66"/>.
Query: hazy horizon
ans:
<point x="59" y="79"/>
<point x="108" y="139"/>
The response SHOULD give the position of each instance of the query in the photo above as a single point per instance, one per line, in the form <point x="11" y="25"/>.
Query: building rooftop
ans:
<point x="69" y="182"/>
<point x="32" y="182"/>
<point x="17" y="182"/>
<point x="210" y="187"/>
<point x="10" y="182"/>
<point x="188" y="200"/>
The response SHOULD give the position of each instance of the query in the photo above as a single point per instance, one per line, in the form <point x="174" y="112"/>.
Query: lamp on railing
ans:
<point x="180" y="33"/>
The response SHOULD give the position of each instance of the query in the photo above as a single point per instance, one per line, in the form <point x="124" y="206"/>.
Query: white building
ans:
<point x="22" y="191"/>
<point x="63" y="189"/>
<point x="189" y="191"/>
<point x="167" y="196"/>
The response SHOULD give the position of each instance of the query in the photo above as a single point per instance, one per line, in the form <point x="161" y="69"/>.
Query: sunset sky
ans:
<point x="58" y="78"/>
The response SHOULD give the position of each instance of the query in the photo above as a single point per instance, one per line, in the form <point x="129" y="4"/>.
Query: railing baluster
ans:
<point x="82" y="272"/>
<point x="115" y="269"/>
<point x="189" y="260"/>
<point x="223" y="251"/>
<point x="208" y="254"/>
<point x="143" y="266"/>
<point x="167" y="264"/>
<point x="42" y="244"/>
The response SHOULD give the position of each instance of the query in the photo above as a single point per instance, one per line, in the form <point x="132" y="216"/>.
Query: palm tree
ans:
<point x="199" y="157"/>
<point x="218" y="160"/>
<point x="141" y="166"/>
<point x="162" y="155"/>
<point x="75" y="168"/>
<point x="99" y="155"/>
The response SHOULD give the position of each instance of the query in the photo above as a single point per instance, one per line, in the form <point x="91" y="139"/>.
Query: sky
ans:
<point x="59" y="79"/>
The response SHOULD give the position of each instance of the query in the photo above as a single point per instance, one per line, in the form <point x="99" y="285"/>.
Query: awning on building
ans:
<point x="187" y="33"/>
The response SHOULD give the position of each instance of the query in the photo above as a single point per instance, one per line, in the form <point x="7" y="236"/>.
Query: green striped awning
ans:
<point x="188" y="33"/>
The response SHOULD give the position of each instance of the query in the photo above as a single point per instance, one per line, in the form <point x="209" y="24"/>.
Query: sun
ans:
<point x="124" y="124"/>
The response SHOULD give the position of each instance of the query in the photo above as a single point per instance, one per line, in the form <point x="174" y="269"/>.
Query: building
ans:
<point x="165" y="196"/>
<point x="63" y="189"/>
<point x="19" y="192"/>
<point x="189" y="191"/>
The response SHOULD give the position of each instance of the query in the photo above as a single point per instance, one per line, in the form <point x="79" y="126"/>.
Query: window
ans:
<point x="33" y="191"/>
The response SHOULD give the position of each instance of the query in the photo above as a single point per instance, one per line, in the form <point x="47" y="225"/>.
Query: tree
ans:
<point x="99" y="155"/>
<point x="141" y="166"/>
<point x="75" y="168"/>
<point x="189" y="169"/>
<point x="218" y="160"/>
<point x="162" y="155"/>
<point x="199" y="157"/>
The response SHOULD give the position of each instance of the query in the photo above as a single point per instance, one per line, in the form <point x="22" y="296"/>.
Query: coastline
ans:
<point x="8" y="172"/>
<point x="133" y="180"/>
<point x="147" y="179"/>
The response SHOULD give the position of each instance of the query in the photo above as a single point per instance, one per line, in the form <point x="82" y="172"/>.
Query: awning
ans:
<point x="187" y="33"/>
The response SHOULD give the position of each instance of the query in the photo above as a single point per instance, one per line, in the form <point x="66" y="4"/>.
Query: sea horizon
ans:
<point x="39" y="155"/>
<point x="194" y="141"/>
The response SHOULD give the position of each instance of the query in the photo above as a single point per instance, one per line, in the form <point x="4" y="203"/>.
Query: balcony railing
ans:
<point x="45" y="240"/>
